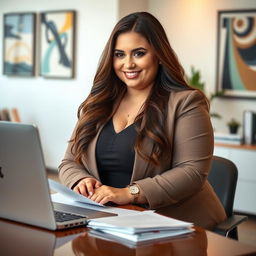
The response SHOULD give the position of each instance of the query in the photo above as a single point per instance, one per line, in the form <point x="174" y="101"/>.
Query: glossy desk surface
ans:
<point x="21" y="239"/>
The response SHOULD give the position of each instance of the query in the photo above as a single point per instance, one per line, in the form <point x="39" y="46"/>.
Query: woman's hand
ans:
<point x="87" y="186"/>
<point x="105" y="194"/>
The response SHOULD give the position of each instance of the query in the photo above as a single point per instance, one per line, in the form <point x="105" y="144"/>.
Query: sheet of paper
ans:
<point x="128" y="243"/>
<point x="149" y="235"/>
<point x="146" y="221"/>
<point x="70" y="194"/>
<point x="59" y="198"/>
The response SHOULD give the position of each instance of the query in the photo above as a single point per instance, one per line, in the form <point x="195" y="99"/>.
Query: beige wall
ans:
<point x="128" y="6"/>
<point x="52" y="104"/>
<point x="191" y="26"/>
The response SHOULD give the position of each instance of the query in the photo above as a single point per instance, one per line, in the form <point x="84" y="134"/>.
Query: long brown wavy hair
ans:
<point x="108" y="89"/>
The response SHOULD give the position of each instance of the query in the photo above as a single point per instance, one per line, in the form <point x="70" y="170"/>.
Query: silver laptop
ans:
<point x="24" y="189"/>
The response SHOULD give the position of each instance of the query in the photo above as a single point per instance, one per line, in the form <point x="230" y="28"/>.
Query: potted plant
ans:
<point x="233" y="126"/>
<point x="194" y="80"/>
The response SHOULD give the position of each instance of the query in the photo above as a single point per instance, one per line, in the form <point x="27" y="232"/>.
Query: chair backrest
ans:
<point x="223" y="178"/>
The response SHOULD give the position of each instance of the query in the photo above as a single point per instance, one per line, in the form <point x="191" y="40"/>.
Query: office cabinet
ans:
<point x="244" y="156"/>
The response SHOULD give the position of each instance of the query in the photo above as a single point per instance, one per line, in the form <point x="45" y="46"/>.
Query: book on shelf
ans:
<point x="226" y="138"/>
<point x="5" y="115"/>
<point x="249" y="127"/>
<point x="14" y="115"/>
<point x="11" y="115"/>
<point x="140" y="228"/>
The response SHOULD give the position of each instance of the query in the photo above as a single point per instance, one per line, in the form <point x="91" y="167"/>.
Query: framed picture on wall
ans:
<point x="236" y="53"/>
<point x="57" y="44"/>
<point x="19" y="44"/>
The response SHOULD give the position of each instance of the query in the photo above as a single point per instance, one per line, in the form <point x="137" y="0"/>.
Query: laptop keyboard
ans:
<point x="64" y="216"/>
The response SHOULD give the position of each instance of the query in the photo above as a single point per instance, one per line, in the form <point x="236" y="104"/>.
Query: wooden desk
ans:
<point x="20" y="239"/>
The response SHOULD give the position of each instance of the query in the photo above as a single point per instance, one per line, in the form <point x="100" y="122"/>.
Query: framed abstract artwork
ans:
<point x="57" y="40"/>
<point x="19" y="44"/>
<point x="236" y="53"/>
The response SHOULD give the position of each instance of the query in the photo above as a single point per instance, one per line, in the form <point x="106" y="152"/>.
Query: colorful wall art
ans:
<point x="236" y="55"/>
<point x="19" y="44"/>
<point x="57" y="38"/>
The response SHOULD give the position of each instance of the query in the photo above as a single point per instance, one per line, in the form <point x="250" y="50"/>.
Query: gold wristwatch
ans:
<point x="135" y="191"/>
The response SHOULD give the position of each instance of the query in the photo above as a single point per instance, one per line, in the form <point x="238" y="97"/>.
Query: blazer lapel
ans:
<point x="91" y="158"/>
<point x="141" y="166"/>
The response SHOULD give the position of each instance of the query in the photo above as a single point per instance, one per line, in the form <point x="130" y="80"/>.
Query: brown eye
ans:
<point x="118" y="54"/>
<point x="139" y="53"/>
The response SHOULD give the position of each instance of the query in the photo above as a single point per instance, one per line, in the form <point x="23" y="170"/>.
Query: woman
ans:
<point x="144" y="135"/>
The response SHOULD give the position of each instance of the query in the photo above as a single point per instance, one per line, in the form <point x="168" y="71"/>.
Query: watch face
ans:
<point x="134" y="190"/>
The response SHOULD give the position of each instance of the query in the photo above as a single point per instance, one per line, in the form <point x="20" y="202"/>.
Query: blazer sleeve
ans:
<point x="192" y="150"/>
<point x="70" y="172"/>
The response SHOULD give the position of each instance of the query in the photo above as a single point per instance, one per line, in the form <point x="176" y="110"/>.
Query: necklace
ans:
<point x="133" y="115"/>
<point x="133" y="110"/>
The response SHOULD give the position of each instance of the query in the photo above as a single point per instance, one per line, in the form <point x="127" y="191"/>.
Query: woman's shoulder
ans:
<point x="188" y="94"/>
<point x="185" y="98"/>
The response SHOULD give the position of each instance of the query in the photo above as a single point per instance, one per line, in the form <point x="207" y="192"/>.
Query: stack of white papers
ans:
<point x="141" y="227"/>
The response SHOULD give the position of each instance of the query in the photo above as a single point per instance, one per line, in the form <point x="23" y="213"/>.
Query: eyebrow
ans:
<point x="133" y="50"/>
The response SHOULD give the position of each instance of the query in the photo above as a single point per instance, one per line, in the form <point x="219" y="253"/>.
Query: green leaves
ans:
<point x="195" y="79"/>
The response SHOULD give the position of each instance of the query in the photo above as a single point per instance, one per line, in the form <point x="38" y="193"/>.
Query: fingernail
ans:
<point x="90" y="193"/>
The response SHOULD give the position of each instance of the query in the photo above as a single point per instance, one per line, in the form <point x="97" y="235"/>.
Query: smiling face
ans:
<point x="134" y="61"/>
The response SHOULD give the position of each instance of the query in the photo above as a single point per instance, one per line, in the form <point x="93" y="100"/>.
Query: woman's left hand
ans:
<point x="105" y="194"/>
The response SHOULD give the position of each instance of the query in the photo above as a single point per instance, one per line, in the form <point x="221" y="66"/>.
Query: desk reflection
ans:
<point x="25" y="240"/>
<point x="21" y="239"/>
<point x="194" y="245"/>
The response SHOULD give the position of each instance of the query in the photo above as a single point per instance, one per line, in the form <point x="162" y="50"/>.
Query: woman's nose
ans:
<point x="129" y="63"/>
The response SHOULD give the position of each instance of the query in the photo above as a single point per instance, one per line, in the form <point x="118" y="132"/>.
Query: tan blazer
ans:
<point x="179" y="186"/>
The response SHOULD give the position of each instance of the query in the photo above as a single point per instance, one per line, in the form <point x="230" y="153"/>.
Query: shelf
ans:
<point x="243" y="146"/>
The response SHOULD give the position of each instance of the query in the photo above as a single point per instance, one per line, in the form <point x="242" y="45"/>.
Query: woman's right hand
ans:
<point x="86" y="186"/>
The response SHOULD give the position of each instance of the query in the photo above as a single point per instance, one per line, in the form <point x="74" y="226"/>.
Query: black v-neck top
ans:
<point x="115" y="155"/>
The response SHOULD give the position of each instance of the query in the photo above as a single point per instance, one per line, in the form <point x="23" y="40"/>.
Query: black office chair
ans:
<point x="223" y="178"/>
